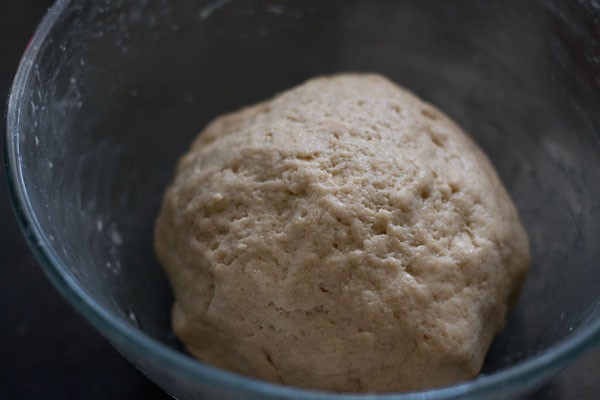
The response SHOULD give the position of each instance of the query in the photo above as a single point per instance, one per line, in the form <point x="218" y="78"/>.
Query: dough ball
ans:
<point x="341" y="236"/>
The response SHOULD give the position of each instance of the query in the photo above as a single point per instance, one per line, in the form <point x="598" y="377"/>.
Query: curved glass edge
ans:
<point x="530" y="370"/>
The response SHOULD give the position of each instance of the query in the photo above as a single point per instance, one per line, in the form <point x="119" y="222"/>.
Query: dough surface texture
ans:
<point x="344" y="236"/>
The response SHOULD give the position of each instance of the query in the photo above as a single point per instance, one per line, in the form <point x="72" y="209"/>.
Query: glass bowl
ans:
<point x="110" y="93"/>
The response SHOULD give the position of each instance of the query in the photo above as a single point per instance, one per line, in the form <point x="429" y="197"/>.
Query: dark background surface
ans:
<point x="47" y="351"/>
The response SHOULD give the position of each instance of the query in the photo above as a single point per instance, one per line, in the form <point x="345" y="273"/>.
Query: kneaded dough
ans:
<point x="343" y="236"/>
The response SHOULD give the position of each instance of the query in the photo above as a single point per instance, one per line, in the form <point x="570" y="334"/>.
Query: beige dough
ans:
<point x="342" y="236"/>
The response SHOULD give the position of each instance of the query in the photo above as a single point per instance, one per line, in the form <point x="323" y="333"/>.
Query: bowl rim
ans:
<point x="531" y="370"/>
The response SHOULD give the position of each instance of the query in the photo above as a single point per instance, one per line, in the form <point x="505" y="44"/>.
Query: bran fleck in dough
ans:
<point x="342" y="236"/>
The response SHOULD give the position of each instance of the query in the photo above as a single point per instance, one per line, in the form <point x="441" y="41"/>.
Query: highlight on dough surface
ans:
<point x="343" y="236"/>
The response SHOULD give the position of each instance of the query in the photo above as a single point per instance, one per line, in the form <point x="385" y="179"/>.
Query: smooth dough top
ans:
<point x="343" y="236"/>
